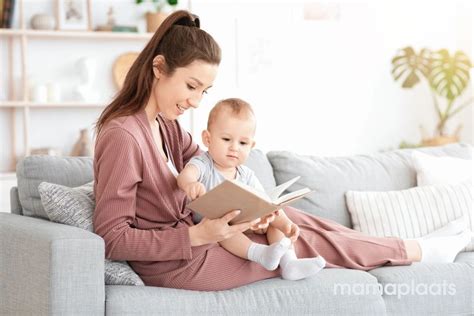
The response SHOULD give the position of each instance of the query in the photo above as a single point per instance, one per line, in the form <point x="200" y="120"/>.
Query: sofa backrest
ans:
<point x="32" y="170"/>
<point x="75" y="171"/>
<point x="331" y="177"/>
<point x="258" y="162"/>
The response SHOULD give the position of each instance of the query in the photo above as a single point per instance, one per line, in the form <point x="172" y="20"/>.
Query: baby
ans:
<point x="229" y="138"/>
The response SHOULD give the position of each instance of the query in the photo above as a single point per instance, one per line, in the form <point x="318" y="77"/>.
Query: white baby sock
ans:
<point x="443" y="248"/>
<point x="452" y="228"/>
<point x="268" y="256"/>
<point x="294" y="269"/>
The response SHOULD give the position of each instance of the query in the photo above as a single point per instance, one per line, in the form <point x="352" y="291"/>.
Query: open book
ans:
<point x="233" y="195"/>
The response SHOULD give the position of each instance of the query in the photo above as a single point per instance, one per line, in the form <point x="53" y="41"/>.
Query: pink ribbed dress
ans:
<point x="140" y="212"/>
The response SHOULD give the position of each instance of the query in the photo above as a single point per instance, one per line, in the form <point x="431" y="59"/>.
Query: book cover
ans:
<point x="233" y="195"/>
<point x="7" y="14"/>
<point x="1" y="13"/>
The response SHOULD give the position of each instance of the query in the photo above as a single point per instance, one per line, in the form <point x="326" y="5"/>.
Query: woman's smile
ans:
<point x="181" y="109"/>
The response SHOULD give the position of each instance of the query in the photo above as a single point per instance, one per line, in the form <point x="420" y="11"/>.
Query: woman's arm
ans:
<point x="189" y="148"/>
<point x="118" y="170"/>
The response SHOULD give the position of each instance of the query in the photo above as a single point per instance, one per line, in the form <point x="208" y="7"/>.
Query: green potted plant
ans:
<point x="156" y="16"/>
<point x="447" y="77"/>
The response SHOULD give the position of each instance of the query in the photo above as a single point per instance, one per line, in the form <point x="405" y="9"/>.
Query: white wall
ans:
<point x="324" y="87"/>
<point x="320" y="87"/>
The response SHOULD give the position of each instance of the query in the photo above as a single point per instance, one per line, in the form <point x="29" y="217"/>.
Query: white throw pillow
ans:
<point x="411" y="213"/>
<point x="432" y="170"/>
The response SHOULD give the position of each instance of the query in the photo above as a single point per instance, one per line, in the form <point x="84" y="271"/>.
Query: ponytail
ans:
<point x="180" y="41"/>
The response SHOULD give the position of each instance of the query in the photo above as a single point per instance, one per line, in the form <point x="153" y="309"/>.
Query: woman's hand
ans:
<point x="215" y="230"/>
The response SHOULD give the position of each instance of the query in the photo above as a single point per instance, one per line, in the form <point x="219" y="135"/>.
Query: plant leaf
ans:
<point x="449" y="74"/>
<point x="409" y="66"/>
<point x="411" y="80"/>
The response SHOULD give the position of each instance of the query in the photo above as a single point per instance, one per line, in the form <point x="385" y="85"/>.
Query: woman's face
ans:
<point x="183" y="89"/>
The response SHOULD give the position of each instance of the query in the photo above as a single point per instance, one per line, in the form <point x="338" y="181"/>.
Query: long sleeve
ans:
<point x="118" y="167"/>
<point x="190" y="148"/>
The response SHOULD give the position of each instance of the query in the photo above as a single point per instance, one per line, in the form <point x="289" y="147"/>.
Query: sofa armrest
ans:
<point x="49" y="268"/>
<point x="15" y="205"/>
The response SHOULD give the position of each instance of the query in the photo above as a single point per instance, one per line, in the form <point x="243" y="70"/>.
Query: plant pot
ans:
<point x="439" y="140"/>
<point x="153" y="21"/>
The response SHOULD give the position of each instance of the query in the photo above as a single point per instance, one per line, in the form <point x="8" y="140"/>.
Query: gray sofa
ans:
<point x="50" y="268"/>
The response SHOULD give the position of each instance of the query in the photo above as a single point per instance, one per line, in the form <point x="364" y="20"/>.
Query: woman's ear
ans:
<point x="206" y="137"/>
<point x="158" y="66"/>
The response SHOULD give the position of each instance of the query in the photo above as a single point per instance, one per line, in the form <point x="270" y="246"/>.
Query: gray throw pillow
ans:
<point x="75" y="207"/>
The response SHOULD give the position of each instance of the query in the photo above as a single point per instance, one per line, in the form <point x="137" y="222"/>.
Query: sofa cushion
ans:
<point x="258" y="162"/>
<point x="468" y="258"/>
<point x="431" y="170"/>
<point x="75" y="207"/>
<point x="327" y="293"/>
<point x="331" y="177"/>
<point x="32" y="170"/>
<point x="428" y="289"/>
<point x="411" y="213"/>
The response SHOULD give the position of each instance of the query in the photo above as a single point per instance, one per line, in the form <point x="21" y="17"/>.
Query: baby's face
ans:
<point x="230" y="140"/>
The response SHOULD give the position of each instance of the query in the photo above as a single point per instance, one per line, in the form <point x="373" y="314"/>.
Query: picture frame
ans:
<point x="73" y="15"/>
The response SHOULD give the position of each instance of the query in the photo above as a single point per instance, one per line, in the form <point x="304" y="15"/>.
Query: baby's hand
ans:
<point x="194" y="190"/>
<point x="292" y="231"/>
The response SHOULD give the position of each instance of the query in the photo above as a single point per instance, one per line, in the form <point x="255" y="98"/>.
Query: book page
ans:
<point x="262" y="194"/>
<point x="292" y="195"/>
<point x="276" y="192"/>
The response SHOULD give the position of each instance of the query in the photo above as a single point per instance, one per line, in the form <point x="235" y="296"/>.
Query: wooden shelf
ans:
<point x="24" y="104"/>
<point x="19" y="111"/>
<point x="7" y="175"/>
<point x="75" y="34"/>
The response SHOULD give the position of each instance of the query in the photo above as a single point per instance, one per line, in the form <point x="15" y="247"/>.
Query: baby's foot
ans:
<point x="294" y="269"/>
<point x="269" y="256"/>
<point x="443" y="248"/>
<point x="452" y="228"/>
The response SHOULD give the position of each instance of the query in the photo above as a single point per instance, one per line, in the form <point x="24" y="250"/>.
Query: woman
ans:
<point x="140" y="212"/>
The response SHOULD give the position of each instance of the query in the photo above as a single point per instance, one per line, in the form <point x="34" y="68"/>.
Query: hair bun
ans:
<point x="192" y="21"/>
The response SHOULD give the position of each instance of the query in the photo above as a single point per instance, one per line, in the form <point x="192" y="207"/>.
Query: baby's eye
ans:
<point x="190" y="87"/>
<point x="243" y="143"/>
<point x="225" y="139"/>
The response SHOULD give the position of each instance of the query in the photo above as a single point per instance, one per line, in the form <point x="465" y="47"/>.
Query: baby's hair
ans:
<point x="237" y="107"/>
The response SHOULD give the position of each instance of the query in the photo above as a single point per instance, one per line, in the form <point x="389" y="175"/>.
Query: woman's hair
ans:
<point x="237" y="107"/>
<point x="180" y="41"/>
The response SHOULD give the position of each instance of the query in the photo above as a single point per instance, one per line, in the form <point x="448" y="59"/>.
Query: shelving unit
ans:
<point x="23" y="104"/>
<point x="19" y="100"/>
<point x="75" y="34"/>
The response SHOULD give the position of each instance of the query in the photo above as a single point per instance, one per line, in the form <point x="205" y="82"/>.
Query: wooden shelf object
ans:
<point x="18" y="99"/>
<point x="24" y="104"/>
<point x="75" y="34"/>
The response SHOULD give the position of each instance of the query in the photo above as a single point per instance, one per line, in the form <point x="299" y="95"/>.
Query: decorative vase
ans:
<point x="439" y="141"/>
<point x="153" y="21"/>
<point x="83" y="145"/>
<point x="42" y="22"/>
